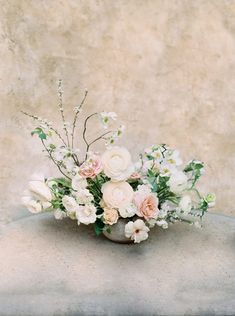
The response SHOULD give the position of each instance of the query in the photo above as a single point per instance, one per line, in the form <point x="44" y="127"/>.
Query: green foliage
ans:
<point x="39" y="132"/>
<point x="60" y="187"/>
<point x="195" y="167"/>
<point x="99" y="226"/>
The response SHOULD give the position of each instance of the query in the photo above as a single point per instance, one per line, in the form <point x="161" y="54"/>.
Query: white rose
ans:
<point x="84" y="196"/>
<point x="137" y="230"/>
<point x="70" y="203"/>
<point x="185" y="204"/>
<point x="117" y="194"/>
<point x="32" y="205"/>
<point x="117" y="163"/>
<point x="79" y="183"/>
<point x="178" y="182"/>
<point x="127" y="211"/>
<point x="86" y="214"/>
<point x="40" y="190"/>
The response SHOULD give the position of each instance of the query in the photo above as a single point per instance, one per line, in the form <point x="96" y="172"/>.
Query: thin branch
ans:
<point x="84" y="131"/>
<point x="49" y="153"/>
<point x="76" y="116"/>
<point x="48" y="125"/>
<point x="60" y="94"/>
<point x="95" y="140"/>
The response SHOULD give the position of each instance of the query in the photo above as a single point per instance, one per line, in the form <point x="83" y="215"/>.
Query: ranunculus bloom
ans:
<point x="83" y="196"/>
<point x="117" y="163"/>
<point x="137" y="230"/>
<point x="146" y="202"/>
<point x="117" y="194"/>
<point x="86" y="214"/>
<point x="110" y="216"/>
<point x="178" y="182"/>
<point x="91" y="168"/>
<point x="70" y="203"/>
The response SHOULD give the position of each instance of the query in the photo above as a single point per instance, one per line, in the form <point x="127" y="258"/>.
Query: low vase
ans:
<point x="117" y="233"/>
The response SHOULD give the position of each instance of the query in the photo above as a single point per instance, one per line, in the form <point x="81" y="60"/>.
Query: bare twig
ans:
<point x="84" y="132"/>
<point x="100" y="137"/>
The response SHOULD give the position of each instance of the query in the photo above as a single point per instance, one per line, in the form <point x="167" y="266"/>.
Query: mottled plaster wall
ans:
<point x="167" y="67"/>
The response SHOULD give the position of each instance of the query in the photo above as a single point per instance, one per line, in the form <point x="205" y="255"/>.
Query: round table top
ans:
<point x="50" y="267"/>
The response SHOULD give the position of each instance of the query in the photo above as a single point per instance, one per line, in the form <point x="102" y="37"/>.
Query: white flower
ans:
<point x="137" y="230"/>
<point x="186" y="204"/>
<point x="45" y="205"/>
<point x="157" y="154"/>
<point x="84" y="196"/>
<point x="210" y="199"/>
<point x="178" y="182"/>
<point x="106" y="117"/>
<point x="117" y="163"/>
<point x="70" y="203"/>
<point x="69" y="164"/>
<point x="165" y="208"/>
<point x="59" y="214"/>
<point x="32" y="205"/>
<point x="79" y="183"/>
<point x="86" y="214"/>
<point x="166" y="169"/>
<point x="173" y="157"/>
<point x="128" y="210"/>
<point x="117" y="194"/>
<point x="152" y="222"/>
<point x="151" y="165"/>
<point x="60" y="152"/>
<point x="162" y="224"/>
<point x="40" y="190"/>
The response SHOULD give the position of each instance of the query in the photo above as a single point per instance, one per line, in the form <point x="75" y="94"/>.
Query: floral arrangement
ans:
<point x="100" y="189"/>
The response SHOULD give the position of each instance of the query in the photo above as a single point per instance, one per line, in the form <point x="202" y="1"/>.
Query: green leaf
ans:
<point x="98" y="226"/>
<point x="52" y="146"/>
<point x="42" y="136"/>
<point x="39" y="132"/>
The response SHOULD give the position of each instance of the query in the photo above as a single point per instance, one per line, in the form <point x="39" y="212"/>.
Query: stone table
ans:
<point x="50" y="267"/>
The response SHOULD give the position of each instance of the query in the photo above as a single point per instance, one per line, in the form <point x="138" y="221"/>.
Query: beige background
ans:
<point x="167" y="68"/>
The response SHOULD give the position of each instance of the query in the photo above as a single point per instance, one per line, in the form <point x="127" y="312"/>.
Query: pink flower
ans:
<point x="91" y="168"/>
<point x="135" y="176"/>
<point x="146" y="202"/>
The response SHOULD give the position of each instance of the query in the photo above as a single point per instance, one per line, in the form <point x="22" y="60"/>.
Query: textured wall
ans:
<point x="167" y="67"/>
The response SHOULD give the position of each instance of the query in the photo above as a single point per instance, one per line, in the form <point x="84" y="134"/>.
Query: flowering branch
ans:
<point x="60" y="94"/>
<point x="76" y="116"/>
<point x="58" y="166"/>
<point x="47" y="124"/>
